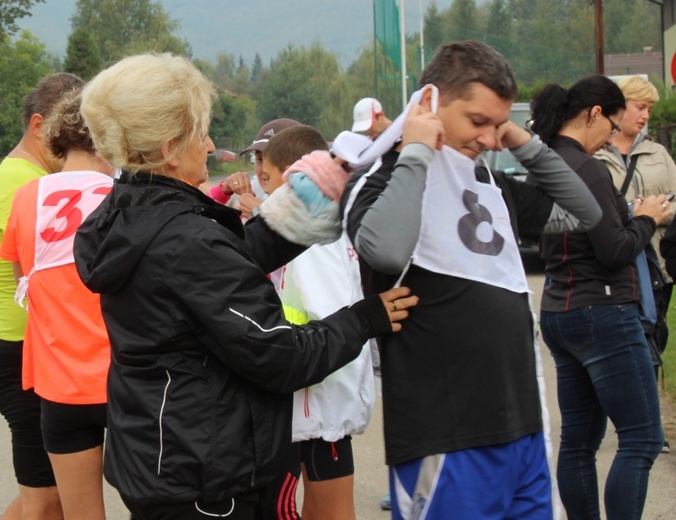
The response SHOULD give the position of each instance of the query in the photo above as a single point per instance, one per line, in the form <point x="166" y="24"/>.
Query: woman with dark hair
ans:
<point x="590" y="311"/>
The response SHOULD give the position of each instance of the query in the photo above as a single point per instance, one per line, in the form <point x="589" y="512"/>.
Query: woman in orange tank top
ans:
<point x="66" y="348"/>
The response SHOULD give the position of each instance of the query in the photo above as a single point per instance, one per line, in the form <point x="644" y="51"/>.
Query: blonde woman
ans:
<point x="641" y="167"/>
<point x="203" y="362"/>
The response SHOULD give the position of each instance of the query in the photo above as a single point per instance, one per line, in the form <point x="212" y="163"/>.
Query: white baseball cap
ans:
<point x="365" y="113"/>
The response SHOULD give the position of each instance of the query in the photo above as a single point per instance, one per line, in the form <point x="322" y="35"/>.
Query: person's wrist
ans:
<point x="255" y="211"/>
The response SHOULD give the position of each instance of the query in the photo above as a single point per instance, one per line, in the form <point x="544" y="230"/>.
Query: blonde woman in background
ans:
<point x="653" y="173"/>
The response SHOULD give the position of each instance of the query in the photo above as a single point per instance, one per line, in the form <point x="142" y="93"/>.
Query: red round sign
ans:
<point x="673" y="68"/>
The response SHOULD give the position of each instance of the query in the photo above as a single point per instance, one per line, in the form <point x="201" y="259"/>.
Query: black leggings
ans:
<point x="21" y="409"/>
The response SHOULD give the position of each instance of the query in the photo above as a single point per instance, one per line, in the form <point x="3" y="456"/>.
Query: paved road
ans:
<point x="371" y="475"/>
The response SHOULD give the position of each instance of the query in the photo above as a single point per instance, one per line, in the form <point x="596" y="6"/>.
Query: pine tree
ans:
<point x="83" y="57"/>
<point x="257" y="68"/>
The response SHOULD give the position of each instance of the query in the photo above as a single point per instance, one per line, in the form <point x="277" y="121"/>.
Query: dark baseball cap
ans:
<point x="267" y="131"/>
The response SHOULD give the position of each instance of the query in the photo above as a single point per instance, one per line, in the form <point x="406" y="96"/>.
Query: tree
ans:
<point x="12" y="10"/>
<point x="546" y="44"/>
<point x="631" y="25"/>
<point x="123" y="27"/>
<point x="233" y="121"/>
<point x="336" y="112"/>
<point x="522" y="9"/>
<point x="461" y="20"/>
<point x="433" y="30"/>
<point x="83" y="57"/>
<point x="226" y="75"/>
<point x="292" y="89"/>
<point x="241" y="83"/>
<point x="581" y="41"/>
<point x="498" y="24"/>
<point x="22" y="64"/>
<point x="256" y="68"/>
<point x="224" y="70"/>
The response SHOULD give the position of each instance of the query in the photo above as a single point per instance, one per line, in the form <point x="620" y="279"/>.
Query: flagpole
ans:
<point x="402" y="31"/>
<point x="422" y="37"/>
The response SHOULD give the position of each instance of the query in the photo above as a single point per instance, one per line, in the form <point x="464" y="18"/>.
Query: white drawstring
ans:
<point x="21" y="291"/>
<point x="216" y="514"/>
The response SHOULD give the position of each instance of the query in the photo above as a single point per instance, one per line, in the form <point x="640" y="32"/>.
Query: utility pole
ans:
<point x="598" y="30"/>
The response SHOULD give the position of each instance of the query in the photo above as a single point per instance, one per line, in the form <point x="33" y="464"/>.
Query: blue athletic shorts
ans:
<point x="503" y="482"/>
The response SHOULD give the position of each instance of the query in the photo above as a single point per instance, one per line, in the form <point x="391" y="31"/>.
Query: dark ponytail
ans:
<point x="553" y="106"/>
<point x="548" y="111"/>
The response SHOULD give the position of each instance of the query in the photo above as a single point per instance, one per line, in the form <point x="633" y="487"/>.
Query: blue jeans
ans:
<point x="604" y="370"/>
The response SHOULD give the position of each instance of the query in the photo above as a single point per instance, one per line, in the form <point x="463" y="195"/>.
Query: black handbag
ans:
<point x="656" y="333"/>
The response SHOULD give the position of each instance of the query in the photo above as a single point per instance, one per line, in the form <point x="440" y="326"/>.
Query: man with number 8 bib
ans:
<point x="462" y="414"/>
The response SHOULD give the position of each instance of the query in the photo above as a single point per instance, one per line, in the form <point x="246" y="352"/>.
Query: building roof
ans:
<point x="649" y="63"/>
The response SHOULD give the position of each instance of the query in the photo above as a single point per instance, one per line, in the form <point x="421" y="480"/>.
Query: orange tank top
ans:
<point x="66" y="348"/>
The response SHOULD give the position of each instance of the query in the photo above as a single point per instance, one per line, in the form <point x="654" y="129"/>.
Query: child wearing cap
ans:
<point x="241" y="191"/>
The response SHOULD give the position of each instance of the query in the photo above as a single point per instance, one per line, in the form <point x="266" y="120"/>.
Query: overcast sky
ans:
<point x="248" y="26"/>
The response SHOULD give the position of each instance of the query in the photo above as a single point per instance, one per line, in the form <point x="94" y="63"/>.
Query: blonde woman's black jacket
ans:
<point x="203" y="362"/>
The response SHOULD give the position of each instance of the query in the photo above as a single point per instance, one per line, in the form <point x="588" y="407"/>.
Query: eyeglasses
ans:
<point x="616" y="129"/>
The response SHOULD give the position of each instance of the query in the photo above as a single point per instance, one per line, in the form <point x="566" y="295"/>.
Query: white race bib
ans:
<point x="64" y="200"/>
<point x="465" y="229"/>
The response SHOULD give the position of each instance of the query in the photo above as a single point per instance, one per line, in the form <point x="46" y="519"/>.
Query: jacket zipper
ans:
<point x="164" y="401"/>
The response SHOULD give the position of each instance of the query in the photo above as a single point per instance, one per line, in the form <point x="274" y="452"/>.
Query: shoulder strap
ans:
<point x="630" y="174"/>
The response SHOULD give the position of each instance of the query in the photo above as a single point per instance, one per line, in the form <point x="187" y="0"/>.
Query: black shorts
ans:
<point x="327" y="460"/>
<point x="232" y="509"/>
<point x="21" y="409"/>
<point x="70" y="428"/>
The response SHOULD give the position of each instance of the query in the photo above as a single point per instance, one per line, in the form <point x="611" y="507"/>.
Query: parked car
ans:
<point x="222" y="155"/>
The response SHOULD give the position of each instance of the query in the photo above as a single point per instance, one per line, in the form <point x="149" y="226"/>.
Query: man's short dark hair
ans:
<point x="456" y="66"/>
<point x="46" y="94"/>
<point x="291" y="144"/>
